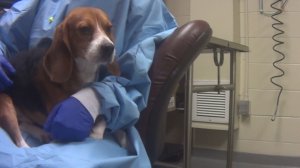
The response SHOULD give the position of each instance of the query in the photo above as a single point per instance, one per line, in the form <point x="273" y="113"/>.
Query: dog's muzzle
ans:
<point x="107" y="52"/>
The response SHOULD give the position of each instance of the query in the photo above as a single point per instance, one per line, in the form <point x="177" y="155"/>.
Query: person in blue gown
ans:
<point x="138" y="26"/>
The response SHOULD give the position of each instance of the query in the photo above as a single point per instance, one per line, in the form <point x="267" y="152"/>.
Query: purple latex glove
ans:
<point x="69" y="121"/>
<point x="6" y="69"/>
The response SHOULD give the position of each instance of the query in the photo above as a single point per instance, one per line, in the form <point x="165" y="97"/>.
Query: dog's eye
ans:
<point x="85" y="30"/>
<point x="108" y="29"/>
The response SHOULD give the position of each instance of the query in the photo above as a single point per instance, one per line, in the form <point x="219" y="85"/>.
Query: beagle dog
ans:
<point x="56" y="69"/>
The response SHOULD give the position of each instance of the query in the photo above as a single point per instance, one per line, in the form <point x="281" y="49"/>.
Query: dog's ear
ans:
<point x="58" y="61"/>
<point x="114" y="68"/>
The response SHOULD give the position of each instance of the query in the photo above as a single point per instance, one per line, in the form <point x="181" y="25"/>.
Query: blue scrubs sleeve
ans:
<point x="122" y="99"/>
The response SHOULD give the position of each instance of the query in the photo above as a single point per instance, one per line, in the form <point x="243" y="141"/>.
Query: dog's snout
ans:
<point x="107" y="50"/>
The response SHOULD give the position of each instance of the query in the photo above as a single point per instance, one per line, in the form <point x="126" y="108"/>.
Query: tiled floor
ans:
<point x="216" y="159"/>
<point x="198" y="162"/>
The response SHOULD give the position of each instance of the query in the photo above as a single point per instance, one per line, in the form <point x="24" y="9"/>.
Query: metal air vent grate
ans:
<point x="211" y="107"/>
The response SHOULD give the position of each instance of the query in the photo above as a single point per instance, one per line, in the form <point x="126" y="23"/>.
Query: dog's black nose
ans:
<point x="107" y="50"/>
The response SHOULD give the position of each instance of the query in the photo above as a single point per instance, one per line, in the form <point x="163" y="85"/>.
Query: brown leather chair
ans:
<point x="171" y="61"/>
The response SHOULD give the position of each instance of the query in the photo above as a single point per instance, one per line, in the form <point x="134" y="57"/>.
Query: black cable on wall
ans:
<point x="276" y="25"/>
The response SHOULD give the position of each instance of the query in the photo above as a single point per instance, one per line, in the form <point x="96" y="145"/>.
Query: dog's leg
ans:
<point x="36" y="132"/>
<point x="9" y="121"/>
<point x="99" y="128"/>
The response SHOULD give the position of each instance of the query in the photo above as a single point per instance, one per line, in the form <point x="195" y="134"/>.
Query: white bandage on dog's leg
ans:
<point x="89" y="100"/>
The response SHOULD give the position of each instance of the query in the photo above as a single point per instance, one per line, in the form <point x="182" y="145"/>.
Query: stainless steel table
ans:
<point x="218" y="47"/>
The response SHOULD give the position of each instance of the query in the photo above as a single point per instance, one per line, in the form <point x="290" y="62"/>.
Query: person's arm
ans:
<point x="14" y="35"/>
<point x="123" y="98"/>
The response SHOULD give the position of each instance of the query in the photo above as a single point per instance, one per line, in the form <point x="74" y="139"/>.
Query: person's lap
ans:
<point x="89" y="153"/>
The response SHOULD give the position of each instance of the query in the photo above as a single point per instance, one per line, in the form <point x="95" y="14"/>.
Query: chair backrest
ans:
<point x="172" y="59"/>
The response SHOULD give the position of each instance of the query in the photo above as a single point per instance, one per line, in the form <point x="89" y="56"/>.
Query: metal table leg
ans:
<point x="232" y="110"/>
<point x="188" y="119"/>
<point x="188" y="111"/>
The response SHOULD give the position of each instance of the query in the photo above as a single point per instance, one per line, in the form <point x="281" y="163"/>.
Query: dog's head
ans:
<point x="85" y="39"/>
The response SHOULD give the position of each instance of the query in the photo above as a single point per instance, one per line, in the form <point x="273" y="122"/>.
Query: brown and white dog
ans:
<point x="55" y="70"/>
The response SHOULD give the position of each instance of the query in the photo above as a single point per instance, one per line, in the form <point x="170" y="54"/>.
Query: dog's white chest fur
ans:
<point x="87" y="70"/>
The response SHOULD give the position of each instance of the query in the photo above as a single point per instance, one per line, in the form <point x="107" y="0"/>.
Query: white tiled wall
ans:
<point x="219" y="14"/>
<point x="258" y="134"/>
<point x="180" y="9"/>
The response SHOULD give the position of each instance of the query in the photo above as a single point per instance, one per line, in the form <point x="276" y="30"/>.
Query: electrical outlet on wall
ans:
<point x="244" y="107"/>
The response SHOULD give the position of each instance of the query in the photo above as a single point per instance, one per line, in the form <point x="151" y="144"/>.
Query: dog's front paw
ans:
<point x="96" y="136"/>
<point x="121" y="138"/>
<point x="98" y="129"/>
<point x="22" y="144"/>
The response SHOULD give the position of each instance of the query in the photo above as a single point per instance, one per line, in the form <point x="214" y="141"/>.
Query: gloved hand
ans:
<point x="6" y="69"/>
<point x="69" y="121"/>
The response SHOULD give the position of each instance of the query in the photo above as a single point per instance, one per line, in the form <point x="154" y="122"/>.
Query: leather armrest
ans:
<point x="171" y="61"/>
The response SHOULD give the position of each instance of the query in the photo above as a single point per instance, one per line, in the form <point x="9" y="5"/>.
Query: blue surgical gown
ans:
<point x="139" y="25"/>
